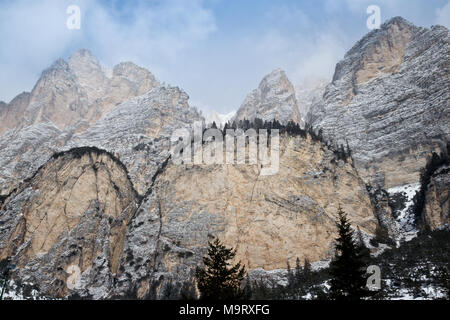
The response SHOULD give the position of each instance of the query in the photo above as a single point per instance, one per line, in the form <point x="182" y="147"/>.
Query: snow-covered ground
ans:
<point x="318" y="265"/>
<point x="431" y="292"/>
<point x="13" y="292"/>
<point x="404" y="217"/>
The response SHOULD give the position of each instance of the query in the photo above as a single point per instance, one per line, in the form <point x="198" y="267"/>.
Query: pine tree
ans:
<point x="187" y="291"/>
<point x="248" y="291"/>
<point x="307" y="267"/>
<point x="292" y="283"/>
<point x="348" y="277"/>
<point x="219" y="280"/>
<point x="444" y="280"/>
<point x="298" y="271"/>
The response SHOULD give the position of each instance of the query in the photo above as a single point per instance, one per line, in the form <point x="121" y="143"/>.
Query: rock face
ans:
<point x="130" y="219"/>
<point x="87" y="180"/>
<point x="11" y="114"/>
<point x="81" y="209"/>
<point x="273" y="99"/>
<point x="138" y="131"/>
<point x="268" y="219"/>
<point x="69" y="109"/>
<point x="389" y="100"/>
<point x="437" y="199"/>
<point x="74" y="211"/>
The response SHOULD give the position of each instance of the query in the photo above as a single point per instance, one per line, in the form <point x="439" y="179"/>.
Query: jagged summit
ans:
<point x="77" y="90"/>
<point x="83" y="60"/>
<point x="395" y="26"/>
<point x="84" y="208"/>
<point x="58" y="67"/>
<point x="380" y="51"/>
<point x="83" y="52"/>
<point x="277" y="75"/>
<point x="389" y="101"/>
<point x="75" y="101"/>
<point x="398" y="20"/>
<point x="273" y="99"/>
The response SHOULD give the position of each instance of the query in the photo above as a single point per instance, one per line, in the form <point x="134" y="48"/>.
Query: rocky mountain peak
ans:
<point x="133" y="72"/>
<point x="128" y="77"/>
<point x="389" y="101"/>
<point x="89" y="74"/>
<point x="83" y="63"/>
<point x="83" y="56"/>
<point x="399" y="21"/>
<point x="276" y="83"/>
<point x="273" y="99"/>
<point x="380" y="52"/>
<point x="59" y="68"/>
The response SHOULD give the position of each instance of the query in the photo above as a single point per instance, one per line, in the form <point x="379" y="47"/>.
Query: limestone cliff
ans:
<point x="269" y="219"/>
<point x="389" y="100"/>
<point x="437" y="199"/>
<point x="81" y="209"/>
<point x="86" y="178"/>
<point x="74" y="211"/>
<point x="77" y="103"/>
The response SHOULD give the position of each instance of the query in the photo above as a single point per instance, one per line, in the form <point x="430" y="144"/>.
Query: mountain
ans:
<point x="437" y="199"/>
<point x="389" y="100"/>
<point x="103" y="195"/>
<point x="87" y="180"/>
<point x="273" y="99"/>
<point x="74" y="91"/>
<point x="138" y="131"/>
<point x="67" y="104"/>
<point x="219" y="119"/>
<point x="81" y="209"/>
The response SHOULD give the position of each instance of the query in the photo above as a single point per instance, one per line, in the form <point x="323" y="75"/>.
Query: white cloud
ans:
<point x="308" y="52"/>
<point x="443" y="15"/>
<point x="151" y="33"/>
<point x="34" y="34"/>
<point x="184" y="43"/>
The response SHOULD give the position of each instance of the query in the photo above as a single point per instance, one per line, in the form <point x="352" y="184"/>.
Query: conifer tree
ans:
<point x="187" y="290"/>
<point x="248" y="291"/>
<point x="444" y="280"/>
<point x="298" y="271"/>
<point x="307" y="267"/>
<point x="348" y="276"/>
<point x="220" y="280"/>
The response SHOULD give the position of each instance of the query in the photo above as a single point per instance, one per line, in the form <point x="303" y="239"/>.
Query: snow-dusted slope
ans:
<point x="219" y="119"/>
<point x="390" y="100"/>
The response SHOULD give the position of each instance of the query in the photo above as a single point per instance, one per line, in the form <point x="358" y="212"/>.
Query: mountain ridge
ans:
<point x="97" y="189"/>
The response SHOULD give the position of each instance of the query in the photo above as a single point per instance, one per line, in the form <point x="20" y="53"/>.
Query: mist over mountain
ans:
<point x="87" y="178"/>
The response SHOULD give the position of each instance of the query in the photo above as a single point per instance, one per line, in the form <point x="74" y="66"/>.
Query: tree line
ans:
<point x="219" y="279"/>
<point x="291" y="128"/>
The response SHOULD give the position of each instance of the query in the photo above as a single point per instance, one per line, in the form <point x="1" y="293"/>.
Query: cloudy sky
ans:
<point x="216" y="50"/>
